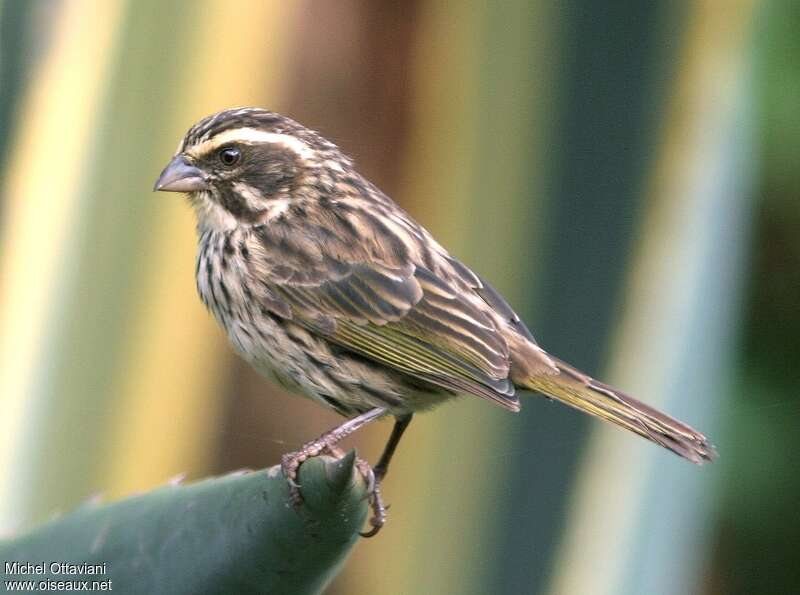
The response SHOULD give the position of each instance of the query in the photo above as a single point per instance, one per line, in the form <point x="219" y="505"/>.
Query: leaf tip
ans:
<point x="339" y="472"/>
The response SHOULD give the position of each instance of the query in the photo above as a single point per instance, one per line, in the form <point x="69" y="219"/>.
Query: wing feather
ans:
<point x="405" y="317"/>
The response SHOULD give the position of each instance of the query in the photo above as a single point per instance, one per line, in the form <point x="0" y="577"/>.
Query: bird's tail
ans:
<point x="574" y="388"/>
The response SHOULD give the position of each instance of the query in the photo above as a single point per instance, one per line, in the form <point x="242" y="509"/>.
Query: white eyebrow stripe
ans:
<point x="252" y="136"/>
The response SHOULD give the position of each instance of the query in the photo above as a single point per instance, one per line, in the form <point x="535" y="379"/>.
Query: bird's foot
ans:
<point x="290" y="464"/>
<point x="378" y="518"/>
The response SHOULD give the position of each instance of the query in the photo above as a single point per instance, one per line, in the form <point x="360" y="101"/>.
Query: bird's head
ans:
<point x="244" y="166"/>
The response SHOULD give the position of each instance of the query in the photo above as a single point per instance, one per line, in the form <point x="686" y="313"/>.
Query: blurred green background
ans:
<point x="626" y="173"/>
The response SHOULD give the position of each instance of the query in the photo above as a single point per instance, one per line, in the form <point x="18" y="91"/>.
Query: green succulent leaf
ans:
<point x="233" y="534"/>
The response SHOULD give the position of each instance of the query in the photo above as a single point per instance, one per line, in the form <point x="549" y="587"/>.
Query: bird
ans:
<point x="324" y="284"/>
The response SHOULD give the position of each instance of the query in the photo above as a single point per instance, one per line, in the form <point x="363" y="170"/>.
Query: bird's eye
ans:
<point x="229" y="156"/>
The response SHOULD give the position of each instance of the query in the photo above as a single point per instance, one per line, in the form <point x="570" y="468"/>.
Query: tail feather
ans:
<point x="574" y="388"/>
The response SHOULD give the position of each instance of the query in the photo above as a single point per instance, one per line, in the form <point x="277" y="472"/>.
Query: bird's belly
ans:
<point x="269" y="349"/>
<point x="306" y="364"/>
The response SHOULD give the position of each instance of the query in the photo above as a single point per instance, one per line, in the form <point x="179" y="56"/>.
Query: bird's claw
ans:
<point x="290" y="464"/>
<point x="378" y="510"/>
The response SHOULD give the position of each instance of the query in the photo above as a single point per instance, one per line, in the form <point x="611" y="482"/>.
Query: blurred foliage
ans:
<point x="758" y="533"/>
<point x="773" y="324"/>
<point x="594" y="170"/>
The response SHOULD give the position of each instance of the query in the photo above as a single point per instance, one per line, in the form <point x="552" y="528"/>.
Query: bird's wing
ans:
<point x="499" y="304"/>
<point x="401" y="315"/>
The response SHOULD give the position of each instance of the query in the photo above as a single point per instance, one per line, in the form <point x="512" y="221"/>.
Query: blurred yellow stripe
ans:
<point x="42" y="192"/>
<point x="609" y="499"/>
<point x="172" y="383"/>
<point x="443" y="149"/>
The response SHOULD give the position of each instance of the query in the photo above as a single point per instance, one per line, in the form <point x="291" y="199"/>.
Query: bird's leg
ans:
<point x="379" y="472"/>
<point x="400" y="425"/>
<point x="291" y="462"/>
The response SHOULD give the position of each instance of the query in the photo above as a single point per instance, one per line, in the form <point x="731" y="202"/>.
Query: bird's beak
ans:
<point x="180" y="176"/>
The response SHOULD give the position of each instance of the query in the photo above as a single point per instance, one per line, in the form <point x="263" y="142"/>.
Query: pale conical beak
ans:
<point x="180" y="176"/>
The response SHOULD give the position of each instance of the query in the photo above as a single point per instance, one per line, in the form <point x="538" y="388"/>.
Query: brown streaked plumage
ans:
<point x="325" y="284"/>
